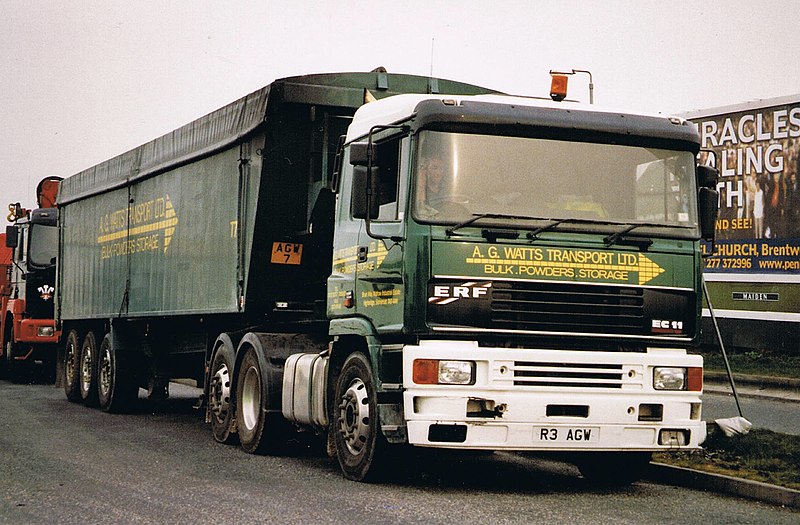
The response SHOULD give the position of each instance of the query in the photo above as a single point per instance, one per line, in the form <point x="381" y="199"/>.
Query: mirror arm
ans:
<point x="369" y="185"/>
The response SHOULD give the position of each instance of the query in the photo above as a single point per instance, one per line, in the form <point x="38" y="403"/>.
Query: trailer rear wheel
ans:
<point x="72" y="351"/>
<point x="261" y="426"/>
<point x="116" y="385"/>
<point x="613" y="468"/>
<point x="220" y="390"/>
<point x="88" y="370"/>
<point x="356" y="432"/>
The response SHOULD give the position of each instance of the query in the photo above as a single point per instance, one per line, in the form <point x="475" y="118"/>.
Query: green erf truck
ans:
<point x="442" y="267"/>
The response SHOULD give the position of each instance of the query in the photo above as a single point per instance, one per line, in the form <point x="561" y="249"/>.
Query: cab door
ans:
<point x="379" y="270"/>
<point x="368" y="265"/>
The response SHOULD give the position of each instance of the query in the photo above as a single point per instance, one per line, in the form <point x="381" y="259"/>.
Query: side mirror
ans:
<point x="361" y="152"/>
<point x="708" y="202"/>
<point x="365" y="192"/>
<point x="707" y="177"/>
<point x="44" y="216"/>
<point x="12" y="237"/>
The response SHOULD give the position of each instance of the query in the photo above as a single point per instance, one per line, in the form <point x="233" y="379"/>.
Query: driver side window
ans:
<point x="388" y="154"/>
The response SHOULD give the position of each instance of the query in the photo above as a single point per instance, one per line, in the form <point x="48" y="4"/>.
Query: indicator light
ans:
<point x="440" y="372"/>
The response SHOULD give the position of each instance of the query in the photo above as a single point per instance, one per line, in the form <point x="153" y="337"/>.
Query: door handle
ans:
<point x="362" y="253"/>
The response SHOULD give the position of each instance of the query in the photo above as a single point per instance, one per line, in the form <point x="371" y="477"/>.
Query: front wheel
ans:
<point x="356" y="433"/>
<point x="3" y="364"/>
<point x="6" y="363"/>
<point x="14" y="369"/>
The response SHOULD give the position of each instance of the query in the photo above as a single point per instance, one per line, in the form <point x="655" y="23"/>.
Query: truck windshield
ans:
<point x="43" y="245"/>
<point x="462" y="175"/>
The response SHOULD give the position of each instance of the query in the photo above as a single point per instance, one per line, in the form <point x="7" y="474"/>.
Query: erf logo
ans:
<point x="448" y="293"/>
<point x="667" y="326"/>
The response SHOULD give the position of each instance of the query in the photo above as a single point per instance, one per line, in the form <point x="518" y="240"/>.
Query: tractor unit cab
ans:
<point x="528" y="273"/>
<point x="34" y="242"/>
<point x="32" y="238"/>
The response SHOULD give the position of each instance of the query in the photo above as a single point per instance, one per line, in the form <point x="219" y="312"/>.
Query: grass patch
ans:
<point x="761" y="455"/>
<point x="754" y="362"/>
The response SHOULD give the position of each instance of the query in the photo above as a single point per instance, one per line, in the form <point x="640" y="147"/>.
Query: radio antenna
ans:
<point x="432" y="40"/>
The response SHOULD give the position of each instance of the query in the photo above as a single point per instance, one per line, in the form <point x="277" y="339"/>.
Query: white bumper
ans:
<point x="534" y="399"/>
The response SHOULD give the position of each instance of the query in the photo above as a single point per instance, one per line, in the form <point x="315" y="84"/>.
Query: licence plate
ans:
<point x="566" y="434"/>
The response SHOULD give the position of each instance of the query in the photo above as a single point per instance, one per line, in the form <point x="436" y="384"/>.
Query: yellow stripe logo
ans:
<point x="144" y="226"/>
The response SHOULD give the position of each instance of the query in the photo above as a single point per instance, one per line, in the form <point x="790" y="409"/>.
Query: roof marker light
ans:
<point x="558" y="87"/>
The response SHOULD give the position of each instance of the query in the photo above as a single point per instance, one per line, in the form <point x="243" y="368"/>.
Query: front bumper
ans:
<point x="537" y="399"/>
<point x="37" y="331"/>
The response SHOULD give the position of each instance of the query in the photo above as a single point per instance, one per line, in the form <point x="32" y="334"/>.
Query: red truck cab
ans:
<point x="27" y="286"/>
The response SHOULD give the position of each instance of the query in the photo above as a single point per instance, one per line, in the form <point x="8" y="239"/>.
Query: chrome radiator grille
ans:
<point x="569" y="375"/>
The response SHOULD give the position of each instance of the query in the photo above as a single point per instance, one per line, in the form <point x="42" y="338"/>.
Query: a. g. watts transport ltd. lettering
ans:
<point x="139" y="228"/>
<point x="583" y="265"/>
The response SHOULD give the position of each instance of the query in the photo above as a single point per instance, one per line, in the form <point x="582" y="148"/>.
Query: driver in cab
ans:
<point x="434" y="196"/>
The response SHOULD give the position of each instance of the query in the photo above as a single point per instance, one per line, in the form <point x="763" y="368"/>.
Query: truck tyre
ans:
<point x="613" y="468"/>
<point x="10" y="367"/>
<point x="4" y="364"/>
<point x="88" y="370"/>
<point x="72" y="369"/>
<point x="4" y="360"/>
<point x="15" y="369"/>
<point x="116" y="386"/>
<point x="220" y="399"/>
<point x="261" y="426"/>
<point x="356" y="433"/>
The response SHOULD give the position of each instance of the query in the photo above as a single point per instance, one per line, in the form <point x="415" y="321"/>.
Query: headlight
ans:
<point x="669" y="378"/>
<point x="678" y="378"/>
<point x="439" y="372"/>
<point x="45" y="331"/>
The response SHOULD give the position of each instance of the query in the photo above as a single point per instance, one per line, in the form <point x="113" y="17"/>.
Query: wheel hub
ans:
<point x="251" y="398"/>
<point x="104" y="371"/>
<point x="71" y="358"/>
<point x="220" y="392"/>
<point x="86" y="371"/>
<point x="354" y="416"/>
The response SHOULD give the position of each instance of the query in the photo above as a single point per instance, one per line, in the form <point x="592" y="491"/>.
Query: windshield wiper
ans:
<point x="478" y="216"/>
<point x="616" y="237"/>
<point x="534" y="234"/>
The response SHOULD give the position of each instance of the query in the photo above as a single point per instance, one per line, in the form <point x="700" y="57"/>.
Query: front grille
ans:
<point x="555" y="307"/>
<point x="568" y="375"/>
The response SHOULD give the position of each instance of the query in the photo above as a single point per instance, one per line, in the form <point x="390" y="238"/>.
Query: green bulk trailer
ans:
<point x="222" y="224"/>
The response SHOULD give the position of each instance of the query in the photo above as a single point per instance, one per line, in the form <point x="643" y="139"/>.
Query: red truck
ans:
<point x="27" y="325"/>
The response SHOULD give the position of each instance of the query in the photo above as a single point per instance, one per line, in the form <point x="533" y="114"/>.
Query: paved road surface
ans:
<point x="64" y="463"/>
